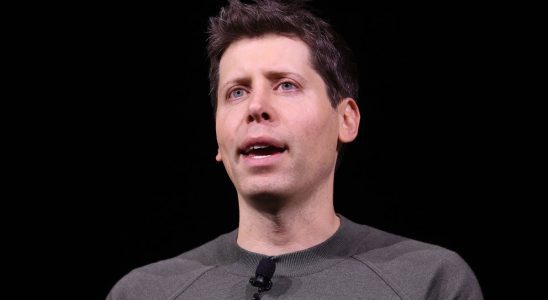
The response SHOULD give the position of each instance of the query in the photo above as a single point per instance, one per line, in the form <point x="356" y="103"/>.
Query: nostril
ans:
<point x="264" y="116"/>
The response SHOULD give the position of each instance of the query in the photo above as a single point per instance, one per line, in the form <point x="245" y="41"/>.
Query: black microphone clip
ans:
<point x="263" y="274"/>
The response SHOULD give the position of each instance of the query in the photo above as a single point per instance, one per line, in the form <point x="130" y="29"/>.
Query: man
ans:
<point x="283" y="91"/>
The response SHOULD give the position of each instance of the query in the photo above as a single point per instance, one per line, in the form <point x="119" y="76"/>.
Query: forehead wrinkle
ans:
<point x="256" y="59"/>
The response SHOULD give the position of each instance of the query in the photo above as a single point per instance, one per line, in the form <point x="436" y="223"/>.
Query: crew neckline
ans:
<point x="342" y="244"/>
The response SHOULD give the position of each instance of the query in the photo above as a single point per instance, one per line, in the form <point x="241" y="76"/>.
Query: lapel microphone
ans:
<point x="263" y="276"/>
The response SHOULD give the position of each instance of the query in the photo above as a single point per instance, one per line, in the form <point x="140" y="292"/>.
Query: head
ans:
<point x="283" y="87"/>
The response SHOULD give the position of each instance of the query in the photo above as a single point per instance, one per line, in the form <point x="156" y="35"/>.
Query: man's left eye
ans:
<point x="287" y="86"/>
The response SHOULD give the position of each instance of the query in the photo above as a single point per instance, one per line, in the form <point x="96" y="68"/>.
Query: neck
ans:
<point x="296" y="224"/>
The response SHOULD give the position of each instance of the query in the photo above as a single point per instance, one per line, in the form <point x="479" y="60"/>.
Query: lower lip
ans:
<point x="262" y="161"/>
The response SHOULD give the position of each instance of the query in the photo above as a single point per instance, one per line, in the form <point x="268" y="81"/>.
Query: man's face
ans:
<point x="276" y="130"/>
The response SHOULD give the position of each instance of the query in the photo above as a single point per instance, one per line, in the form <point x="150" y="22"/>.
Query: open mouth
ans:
<point x="260" y="151"/>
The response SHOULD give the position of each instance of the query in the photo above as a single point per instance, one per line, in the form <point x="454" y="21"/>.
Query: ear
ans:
<point x="349" y="120"/>
<point x="218" y="156"/>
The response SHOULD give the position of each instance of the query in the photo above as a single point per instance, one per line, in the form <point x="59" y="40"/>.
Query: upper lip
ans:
<point x="260" y="141"/>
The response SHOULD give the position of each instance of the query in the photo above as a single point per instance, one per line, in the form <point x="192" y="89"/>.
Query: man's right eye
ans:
<point x="236" y="93"/>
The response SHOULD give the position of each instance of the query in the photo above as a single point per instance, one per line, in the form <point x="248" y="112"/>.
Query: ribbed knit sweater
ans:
<point x="357" y="262"/>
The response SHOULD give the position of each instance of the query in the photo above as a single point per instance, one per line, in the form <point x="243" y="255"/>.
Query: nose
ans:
<point x="260" y="107"/>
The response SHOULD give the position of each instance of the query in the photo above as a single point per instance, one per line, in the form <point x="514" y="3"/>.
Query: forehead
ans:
<point x="265" y="54"/>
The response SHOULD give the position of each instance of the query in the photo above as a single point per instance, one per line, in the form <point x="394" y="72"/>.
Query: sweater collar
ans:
<point x="342" y="244"/>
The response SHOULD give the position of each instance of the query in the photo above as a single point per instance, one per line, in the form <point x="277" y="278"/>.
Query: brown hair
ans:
<point x="330" y="56"/>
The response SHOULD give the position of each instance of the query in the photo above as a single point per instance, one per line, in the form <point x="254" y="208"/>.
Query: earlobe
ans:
<point x="349" y="118"/>
<point x="218" y="156"/>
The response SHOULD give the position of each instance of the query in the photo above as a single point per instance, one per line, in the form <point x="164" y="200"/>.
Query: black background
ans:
<point x="136" y="141"/>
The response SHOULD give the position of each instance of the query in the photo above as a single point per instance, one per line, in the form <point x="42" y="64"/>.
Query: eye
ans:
<point x="287" y="86"/>
<point x="236" y="93"/>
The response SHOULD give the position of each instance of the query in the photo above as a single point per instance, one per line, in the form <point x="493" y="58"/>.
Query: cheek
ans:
<point x="320" y="127"/>
<point x="221" y="127"/>
<point x="226" y="135"/>
<point x="220" y="133"/>
<point x="318" y="136"/>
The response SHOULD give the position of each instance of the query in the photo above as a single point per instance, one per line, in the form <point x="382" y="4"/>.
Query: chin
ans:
<point x="266" y="191"/>
<point x="264" y="184"/>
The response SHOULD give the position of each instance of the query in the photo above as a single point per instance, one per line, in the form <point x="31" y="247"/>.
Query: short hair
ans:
<point x="329" y="54"/>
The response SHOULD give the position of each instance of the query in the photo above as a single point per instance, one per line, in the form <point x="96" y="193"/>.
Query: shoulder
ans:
<point x="416" y="269"/>
<point x="165" y="278"/>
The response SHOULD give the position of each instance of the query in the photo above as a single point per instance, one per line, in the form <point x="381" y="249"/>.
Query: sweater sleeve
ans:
<point x="421" y="271"/>
<point x="454" y="279"/>
<point x="162" y="280"/>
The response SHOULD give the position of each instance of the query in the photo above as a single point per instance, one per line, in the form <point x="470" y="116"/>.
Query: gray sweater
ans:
<point x="357" y="262"/>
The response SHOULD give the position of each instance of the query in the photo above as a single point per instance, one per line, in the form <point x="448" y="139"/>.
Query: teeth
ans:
<point x="257" y="147"/>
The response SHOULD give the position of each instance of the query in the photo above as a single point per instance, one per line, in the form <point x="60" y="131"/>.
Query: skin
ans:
<point x="269" y="93"/>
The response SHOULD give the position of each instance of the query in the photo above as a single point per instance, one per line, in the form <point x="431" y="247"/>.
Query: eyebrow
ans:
<point x="280" y="74"/>
<point x="270" y="75"/>
<point x="240" y="80"/>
